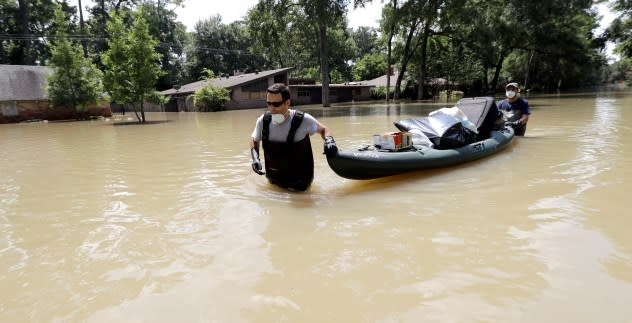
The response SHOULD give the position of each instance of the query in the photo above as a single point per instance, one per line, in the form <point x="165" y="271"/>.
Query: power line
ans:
<point x="51" y="37"/>
<point x="95" y="38"/>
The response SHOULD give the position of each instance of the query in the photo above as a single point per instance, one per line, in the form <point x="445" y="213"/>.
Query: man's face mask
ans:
<point x="278" y="118"/>
<point x="510" y="94"/>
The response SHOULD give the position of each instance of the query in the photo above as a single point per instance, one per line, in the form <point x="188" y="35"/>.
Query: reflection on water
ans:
<point x="166" y="222"/>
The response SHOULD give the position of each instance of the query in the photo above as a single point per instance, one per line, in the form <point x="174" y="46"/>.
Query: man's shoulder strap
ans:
<point x="296" y="122"/>
<point x="265" y="129"/>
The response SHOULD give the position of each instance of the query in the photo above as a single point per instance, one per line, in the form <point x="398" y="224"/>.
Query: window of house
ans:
<point x="304" y="93"/>
<point x="8" y="108"/>
<point x="256" y="90"/>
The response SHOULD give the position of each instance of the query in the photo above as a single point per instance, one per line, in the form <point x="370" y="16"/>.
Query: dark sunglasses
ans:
<point x="275" y="104"/>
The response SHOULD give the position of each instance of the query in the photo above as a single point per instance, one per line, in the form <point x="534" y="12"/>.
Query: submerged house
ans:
<point x="246" y="90"/>
<point x="23" y="92"/>
<point x="433" y="87"/>
<point x="249" y="90"/>
<point x="346" y="92"/>
<point x="23" y="96"/>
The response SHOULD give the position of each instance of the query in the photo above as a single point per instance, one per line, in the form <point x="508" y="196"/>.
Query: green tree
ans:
<point x="7" y="16"/>
<point x="546" y="43"/>
<point x="98" y="19"/>
<point x="409" y="12"/>
<point x="117" y="62"/>
<point x="171" y="35"/>
<point x="367" y="41"/>
<point x="222" y="48"/>
<point x="389" y="24"/>
<point x="283" y="36"/>
<point x="321" y="13"/>
<point x="274" y="21"/>
<point x="561" y="49"/>
<point x="28" y="26"/>
<point x="342" y="51"/>
<point x="75" y="82"/>
<point x="621" y="71"/>
<point x="369" y="67"/>
<point x="131" y="64"/>
<point x="437" y="20"/>
<point x="211" y="98"/>
<point x="491" y="30"/>
<point x="453" y="64"/>
<point x="620" y="30"/>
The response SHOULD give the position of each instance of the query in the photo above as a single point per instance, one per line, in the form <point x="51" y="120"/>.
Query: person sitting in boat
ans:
<point x="284" y="134"/>
<point x="515" y="109"/>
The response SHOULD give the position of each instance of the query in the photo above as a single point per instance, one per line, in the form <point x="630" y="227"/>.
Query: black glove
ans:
<point x="514" y="124"/>
<point x="330" y="147"/>
<point x="517" y="123"/>
<point x="256" y="164"/>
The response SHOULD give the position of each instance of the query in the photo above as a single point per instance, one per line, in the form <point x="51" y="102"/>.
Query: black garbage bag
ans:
<point x="482" y="112"/>
<point x="456" y="136"/>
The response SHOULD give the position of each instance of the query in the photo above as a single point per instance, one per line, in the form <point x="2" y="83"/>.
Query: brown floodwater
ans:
<point x="166" y="222"/>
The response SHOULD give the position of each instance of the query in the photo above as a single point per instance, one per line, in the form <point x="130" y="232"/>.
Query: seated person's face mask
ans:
<point x="510" y="94"/>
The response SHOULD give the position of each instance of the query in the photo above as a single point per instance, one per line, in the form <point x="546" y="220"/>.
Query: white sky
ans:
<point x="231" y="10"/>
<point x="195" y="10"/>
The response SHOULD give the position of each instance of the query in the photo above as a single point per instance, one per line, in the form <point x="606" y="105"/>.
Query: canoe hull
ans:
<point x="369" y="164"/>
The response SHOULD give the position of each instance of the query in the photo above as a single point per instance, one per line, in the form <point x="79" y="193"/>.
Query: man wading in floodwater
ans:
<point x="284" y="134"/>
<point x="515" y="109"/>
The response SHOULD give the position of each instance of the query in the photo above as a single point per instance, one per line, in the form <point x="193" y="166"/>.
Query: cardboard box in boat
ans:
<point x="393" y="141"/>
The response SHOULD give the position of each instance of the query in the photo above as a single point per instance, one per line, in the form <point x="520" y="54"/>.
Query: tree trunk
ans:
<point x="486" y="78"/>
<point x="405" y="58"/>
<point x="526" y="74"/>
<point x="324" y="65"/>
<point x="136" y="113"/>
<point x="142" y="108"/>
<point x="499" y="65"/>
<point x="117" y="5"/>
<point x="389" y="51"/>
<point x="388" y="63"/>
<point x="142" y="111"/>
<point x="83" y="30"/>
<point x="25" y="44"/>
<point x="103" y="12"/>
<point x="422" y="61"/>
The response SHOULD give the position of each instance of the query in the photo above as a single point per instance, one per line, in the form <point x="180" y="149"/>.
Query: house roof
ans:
<point x="23" y="82"/>
<point x="226" y="82"/>
<point x="344" y="85"/>
<point x="381" y="80"/>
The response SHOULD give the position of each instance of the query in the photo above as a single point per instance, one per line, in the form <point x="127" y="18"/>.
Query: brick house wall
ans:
<point x="19" y="111"/>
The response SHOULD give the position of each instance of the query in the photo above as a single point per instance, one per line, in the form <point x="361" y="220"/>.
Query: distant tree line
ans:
<point x="475" y="45"/>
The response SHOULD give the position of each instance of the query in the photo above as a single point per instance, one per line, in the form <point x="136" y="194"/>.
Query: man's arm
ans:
<point x="323" y="131"/>
<point x="330" y="148"/>
<point x="254" y="153"/>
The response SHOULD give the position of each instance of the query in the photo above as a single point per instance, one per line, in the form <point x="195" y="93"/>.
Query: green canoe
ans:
<point x="371" y="163"/>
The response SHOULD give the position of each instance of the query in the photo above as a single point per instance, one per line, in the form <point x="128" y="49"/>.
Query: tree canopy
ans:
<point x="476" y="45"/>
<point x="131" y="64"/>
<point x="75" y="82"/>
